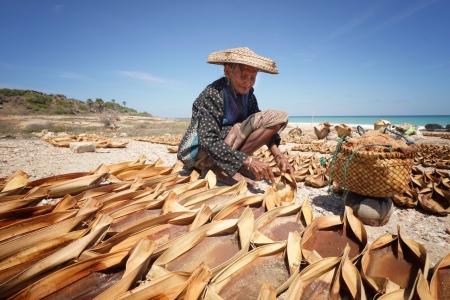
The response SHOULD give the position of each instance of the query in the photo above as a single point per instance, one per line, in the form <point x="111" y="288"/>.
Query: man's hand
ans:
<point x="284" y="165"/>
<point x="261" y="170"/>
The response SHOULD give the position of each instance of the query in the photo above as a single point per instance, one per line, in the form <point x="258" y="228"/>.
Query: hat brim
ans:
<point x="243" y="56"/>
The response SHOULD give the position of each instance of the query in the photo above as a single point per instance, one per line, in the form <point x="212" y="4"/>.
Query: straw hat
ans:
<point x="244" y="56"/>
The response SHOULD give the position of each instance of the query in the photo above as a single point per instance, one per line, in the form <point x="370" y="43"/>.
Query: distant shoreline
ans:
<point x="366" y="121"/>
<point x="416" y="120"/>
<point x="310" y="126"/>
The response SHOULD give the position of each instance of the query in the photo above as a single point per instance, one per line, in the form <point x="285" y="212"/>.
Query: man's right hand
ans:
<point x="262" y="171"/>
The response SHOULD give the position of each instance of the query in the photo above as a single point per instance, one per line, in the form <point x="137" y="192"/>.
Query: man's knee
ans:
<point x="281" y="114"/>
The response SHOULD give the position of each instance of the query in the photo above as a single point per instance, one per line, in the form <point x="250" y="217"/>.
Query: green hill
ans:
<point x="15" y="101"/>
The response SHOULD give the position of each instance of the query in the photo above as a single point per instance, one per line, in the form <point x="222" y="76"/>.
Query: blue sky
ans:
<point x="335" y="57"/>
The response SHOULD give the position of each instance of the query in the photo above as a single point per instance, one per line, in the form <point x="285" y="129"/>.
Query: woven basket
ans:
<point x="371" y="173"/>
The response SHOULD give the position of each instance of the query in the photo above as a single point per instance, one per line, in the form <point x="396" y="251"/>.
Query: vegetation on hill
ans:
<point x="27" y="101"/>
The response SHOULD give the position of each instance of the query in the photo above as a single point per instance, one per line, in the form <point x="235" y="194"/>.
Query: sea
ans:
<point x="367" y="121"/>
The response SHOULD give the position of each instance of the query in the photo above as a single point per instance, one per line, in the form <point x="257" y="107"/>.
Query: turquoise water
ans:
<point x="369" y="120"/>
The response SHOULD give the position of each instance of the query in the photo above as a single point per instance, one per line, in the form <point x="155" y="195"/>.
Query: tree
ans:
<point x="99" y="105"/>
<point x="89" y="104"/>
<point x="114" y="103"/>
<point x="124" y="103"/>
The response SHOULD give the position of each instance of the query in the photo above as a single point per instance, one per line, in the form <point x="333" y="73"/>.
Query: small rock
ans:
<point x="370" y="210"/>
<point x="82" y="147"/>
<point x="49" y="134"/>
<point x="433" y="126"/>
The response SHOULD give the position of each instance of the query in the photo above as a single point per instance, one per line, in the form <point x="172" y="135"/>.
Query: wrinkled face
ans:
<point x="243" y="77"/>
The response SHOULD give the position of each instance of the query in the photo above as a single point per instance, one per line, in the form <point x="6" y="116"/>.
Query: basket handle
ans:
<point x="408" y="142"/>
<point x="359" y="127"/>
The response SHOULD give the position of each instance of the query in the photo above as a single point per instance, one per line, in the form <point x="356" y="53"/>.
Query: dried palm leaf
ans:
<point x="118" y="167"/>
<point x="329" y="278"/>
<point x="134" y="192"/>
<point x="193" y="186"/>
<point x="215" y="198"/>
<point x="139" y="211"/>
<point x="440" y="281"/>
<point x="165" y="287"/>
<point x="275" y="264"/>
<point x="135" y="199"/>
<point x="318" y="180"/>
<point x="301" y="174"/>
<point x="160" y="230"/>
<point x="434" y="200"/>
<point x="420" y="291"/>
<point x="235" y="209"/>
<point x="20" y="228"/>
<point x="282" y="192"/>
<point x="101" y="277"/>
<point x="392" y="263"/>
<point x="275" y="225"/>
<point x="24" y="258"/>
<point x="175" y="285"/>
<point x="343" y="129"/>
<point x="217" y="244"/>
<point x="409" y="197"/>
<point x="85" y="214"/>
<point x="57" y="179"/>
<point x="163" y="179"/>
<point x="131" y="170"/>
<point x="76" y="185"/>
<point x="102" y="190"/>
<point x="47" y="264"/>
<point x="27" y="256"/>
<point x="322" y="130"/>
<point x="14" y="184"/>
<point x="34" y="196"/>
<point x="148" y="172"/>
<point x="14" y="215"/>
<point x="267" y="293"/>
<point x="327" y="236"/>
<point x="179" y="180"/>
<point x="18" y="214"/>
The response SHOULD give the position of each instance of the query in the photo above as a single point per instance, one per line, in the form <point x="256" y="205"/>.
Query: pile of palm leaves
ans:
<point x="138" y="230"/>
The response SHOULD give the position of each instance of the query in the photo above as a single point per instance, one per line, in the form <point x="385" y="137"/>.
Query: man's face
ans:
<point x="243" y="77"/>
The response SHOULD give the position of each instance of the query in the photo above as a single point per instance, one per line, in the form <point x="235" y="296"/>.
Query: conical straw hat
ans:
<point x="244" y="56"/>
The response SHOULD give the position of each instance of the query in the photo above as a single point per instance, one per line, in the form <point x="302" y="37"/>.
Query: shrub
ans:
<point x="62" y="103"/>
<point x="10" y="93"/>
<point x="107" y="122"/>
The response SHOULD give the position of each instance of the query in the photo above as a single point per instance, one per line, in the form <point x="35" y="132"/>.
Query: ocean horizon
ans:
<point x="416" y="120"/>
<point x="367" y="121"/>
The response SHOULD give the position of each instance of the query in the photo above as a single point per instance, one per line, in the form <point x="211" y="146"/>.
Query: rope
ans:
<point x="408" y="142"/>
<point x="338" y="147"/>
<point x="333" y="157"/>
